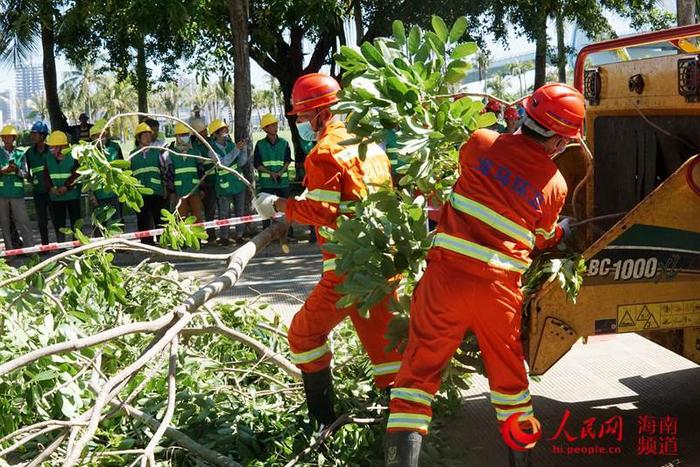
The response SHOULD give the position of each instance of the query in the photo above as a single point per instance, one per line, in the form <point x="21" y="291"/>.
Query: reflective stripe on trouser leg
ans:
<point x="371" y="331"/>
<point x="498" y="333"/>
<point x="311" y="325"/>
<point x="437" y="326"/>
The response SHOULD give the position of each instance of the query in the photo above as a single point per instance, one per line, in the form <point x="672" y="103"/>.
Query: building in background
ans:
<point x="29" y="82"/>
<point x="5" y="107"/>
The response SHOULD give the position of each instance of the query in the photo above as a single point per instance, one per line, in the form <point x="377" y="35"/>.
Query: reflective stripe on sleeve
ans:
<point x="545" y="234"/>
<point x="409" y="421"/>
<point x="329" y="265"/>
<point x="510" y="399"/>
<point x="387" y="368"/>
<point x="327" y="196"/>
<point x="503" y="414"/>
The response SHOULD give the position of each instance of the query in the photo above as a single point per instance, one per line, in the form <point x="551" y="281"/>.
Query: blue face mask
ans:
<point x="306" y="131"/>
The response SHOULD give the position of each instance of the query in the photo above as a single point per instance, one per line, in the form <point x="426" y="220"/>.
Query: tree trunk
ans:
<point x="357" y="14"/>
<point x="561" y="46"/>
<point x="242" y="91"/>
<point x="685" y="12"/>
<point x="540" y="49"/>
<point x="53" y="104"/>
<point x="141" y="79"/>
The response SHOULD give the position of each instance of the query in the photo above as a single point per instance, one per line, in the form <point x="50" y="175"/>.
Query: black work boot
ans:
<point x="519" y="458"/>
<point x="319" y="396"/>
<point x="402" y="448"/>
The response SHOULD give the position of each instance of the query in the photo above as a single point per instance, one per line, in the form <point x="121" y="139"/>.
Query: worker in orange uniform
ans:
<point x="505" y="202"/>
<point x="335" y="177"/>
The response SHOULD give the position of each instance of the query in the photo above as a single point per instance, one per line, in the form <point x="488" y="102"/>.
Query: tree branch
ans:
<point x="148" y="455"/>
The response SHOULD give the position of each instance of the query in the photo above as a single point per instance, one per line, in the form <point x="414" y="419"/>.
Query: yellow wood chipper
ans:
<point x="641" y="181"/>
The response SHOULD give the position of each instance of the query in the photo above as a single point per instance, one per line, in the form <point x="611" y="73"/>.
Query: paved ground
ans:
<point x="611" y="379"/>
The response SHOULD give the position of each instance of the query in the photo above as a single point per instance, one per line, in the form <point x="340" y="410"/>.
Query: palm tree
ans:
<point x="518" y="69"/>
<point x="482" y="60"/>
<point x="223" y="92"/>
<point x="37" y="107"/>
<point x="117" y="97"/>
<point x="171" y="97"/>
<point x="498" y="86"/>
<point x="85" y="81"/>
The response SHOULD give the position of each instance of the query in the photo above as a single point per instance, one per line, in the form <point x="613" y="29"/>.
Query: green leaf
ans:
<point x="458" y="29"/>
<point x="464" y="49"/>
<point x="437" y="44"/>
<point x="414" y="41"/>
<point x="487" y="119"/>
<point x="352" y="54"/>
<point x="399" y="32"/>
<point x="372" y="55"/>
<point x="440" y="28"/>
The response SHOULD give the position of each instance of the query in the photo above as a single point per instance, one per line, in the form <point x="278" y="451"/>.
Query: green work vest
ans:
<point x="227" y="184"/>
<point x="185" y="169"/>
<point x="111" y="151"/>
<point x="209" y="180"/>
<point x="146" y="168"/>
<point x="59" y="172"/>
<point x="272" y="157"/>
<point x="11" y="184"/>
<point x="37" y="164"/>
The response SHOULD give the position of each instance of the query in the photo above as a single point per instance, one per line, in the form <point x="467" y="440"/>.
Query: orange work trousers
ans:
<point x="191" y="206"/>
<point x="457" y="294"/>
<point x="308" y="333"/>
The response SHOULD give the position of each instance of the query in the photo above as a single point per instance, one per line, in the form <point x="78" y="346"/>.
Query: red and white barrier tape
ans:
<point x="132" y="235"/>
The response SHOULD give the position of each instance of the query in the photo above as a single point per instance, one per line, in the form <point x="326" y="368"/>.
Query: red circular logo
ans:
<point x="515" y="437"/>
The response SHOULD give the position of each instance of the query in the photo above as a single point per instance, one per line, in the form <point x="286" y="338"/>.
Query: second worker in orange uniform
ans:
<point x="505" y="202"/>
<point x="335" y="177"/>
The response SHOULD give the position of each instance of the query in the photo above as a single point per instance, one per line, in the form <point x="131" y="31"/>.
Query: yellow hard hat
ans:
<point x="198" y="125"/>
<point x="215" y="126"/>
<point x="9" y="130"/>
<point x="142" y="128"/>
<point x="267" y="119"/>
<point x="181" y="129"/>
<point x="57" y="138"/>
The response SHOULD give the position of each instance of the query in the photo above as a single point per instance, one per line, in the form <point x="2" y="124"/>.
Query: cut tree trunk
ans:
<point x="48" y="43"/>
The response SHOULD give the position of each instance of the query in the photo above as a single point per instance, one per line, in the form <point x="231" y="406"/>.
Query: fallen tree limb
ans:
<point x="180" y="438"/>
<point x="239" y="259"/>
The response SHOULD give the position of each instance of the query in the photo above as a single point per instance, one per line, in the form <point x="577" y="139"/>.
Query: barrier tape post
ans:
<point x="133" y="235"/>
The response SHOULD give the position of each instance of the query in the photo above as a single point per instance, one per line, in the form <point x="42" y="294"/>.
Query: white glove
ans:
<point x="264" y="203"/>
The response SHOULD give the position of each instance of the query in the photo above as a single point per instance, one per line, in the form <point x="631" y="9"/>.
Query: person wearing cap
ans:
<point x="149" y="168"/>
<point x="59" y="176"/>
<point x="112" y="150"/>
<point x="229" y="188"/>
<point x="187" y="172"/>
<point x="207" y="188"/>
<point x="335" y="178"/>
<point x="13" y="171"/>
<point x="512" y="118"/>
<point x="505" y="203"/>
<point x="81" y="131"/>
<point x="35" y="158"/>
<point x="271" y="158"/>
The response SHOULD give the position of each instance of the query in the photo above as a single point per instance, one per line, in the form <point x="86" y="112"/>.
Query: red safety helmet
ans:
<point x="313" y="91"/>
<point x="557" y="107"/>
<point x="493" y="106"/>
<point x="511" y="113"/>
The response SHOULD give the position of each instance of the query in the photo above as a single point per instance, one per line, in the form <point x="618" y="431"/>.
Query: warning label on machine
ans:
<point x="650" y="316"/>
